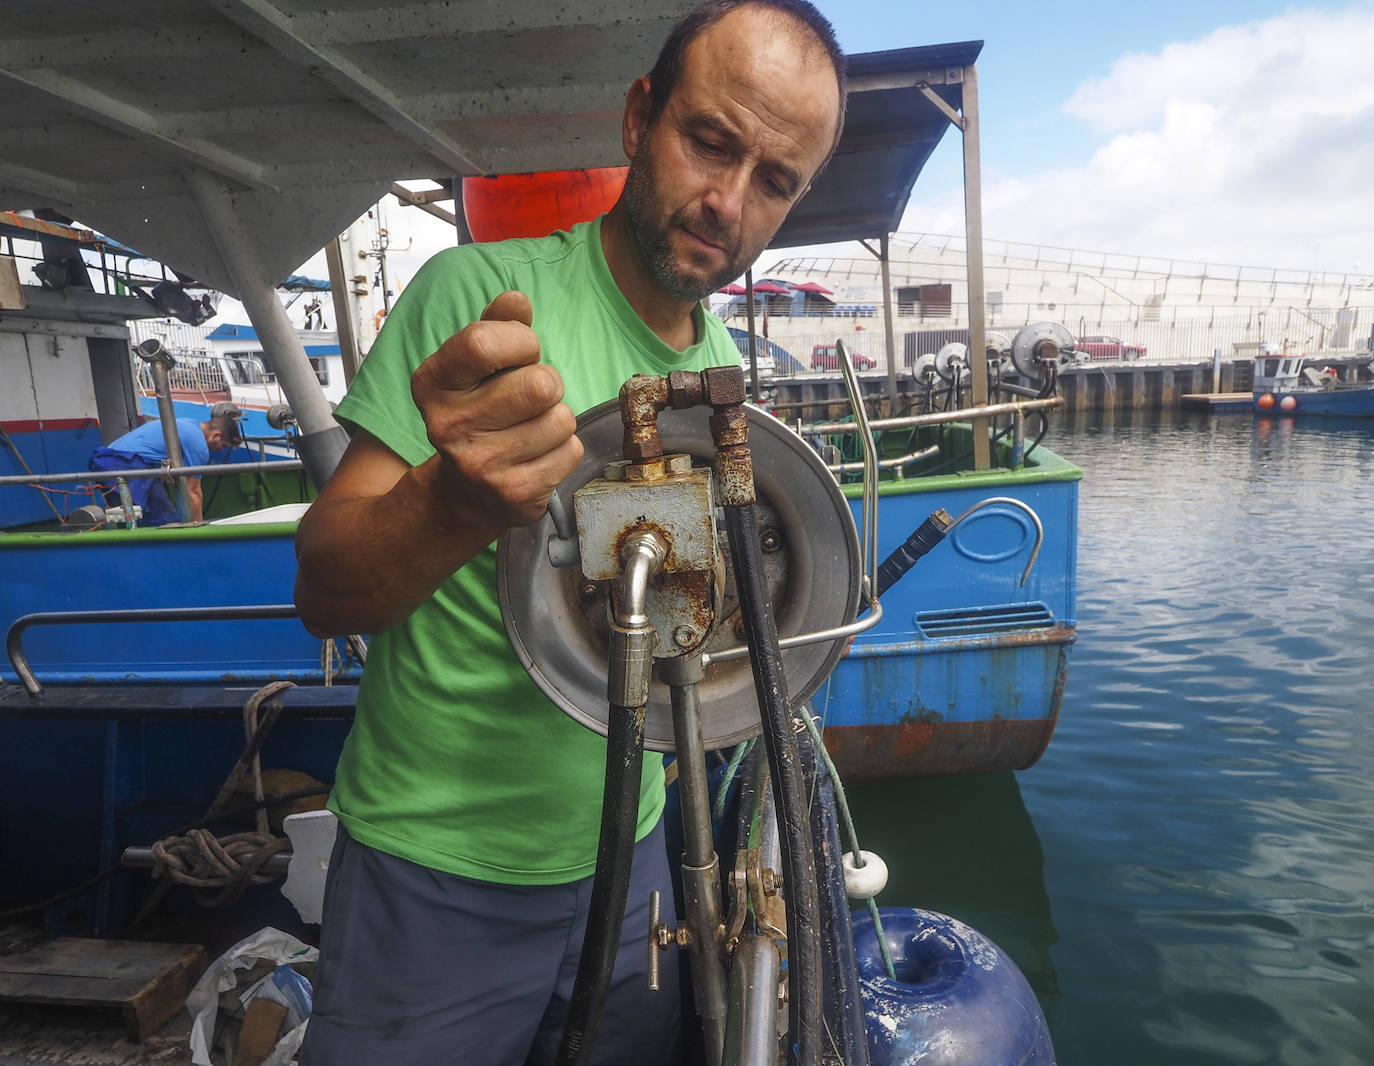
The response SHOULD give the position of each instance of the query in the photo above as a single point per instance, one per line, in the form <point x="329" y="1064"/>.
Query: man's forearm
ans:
<point x="366" y="563"/>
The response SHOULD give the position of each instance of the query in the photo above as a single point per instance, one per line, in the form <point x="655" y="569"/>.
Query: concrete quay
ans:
<point x="1134" y="386"/>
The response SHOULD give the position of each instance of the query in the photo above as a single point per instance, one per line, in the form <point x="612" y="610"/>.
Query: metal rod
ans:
<point x="820" y="429"/>
<point x="700" y="864"/>
<point x="874" y="616"/>
<point x="753" y="1024"/>
<point x="323" y="440"/>
<point x="753" y="353"/>
<point x="973" y="262"/>
<point x="14" y="638"/>
<point x="159" y="362"/>
<point x="142" y="858"/>
<point x="890" y="340"/>
<point x="870" y="447"/>
<point x="190" y="471"/>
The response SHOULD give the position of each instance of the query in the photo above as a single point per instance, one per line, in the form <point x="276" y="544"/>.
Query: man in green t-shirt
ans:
<point x="468" y="804"/>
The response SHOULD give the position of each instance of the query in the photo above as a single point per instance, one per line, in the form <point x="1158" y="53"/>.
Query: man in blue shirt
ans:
<point x="145" y="447"/>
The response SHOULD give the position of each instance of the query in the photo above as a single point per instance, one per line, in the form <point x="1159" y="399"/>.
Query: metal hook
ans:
<point x="1035" y="518"/>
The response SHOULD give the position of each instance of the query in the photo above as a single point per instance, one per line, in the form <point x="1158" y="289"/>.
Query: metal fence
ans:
<point x="1171" y="338"/>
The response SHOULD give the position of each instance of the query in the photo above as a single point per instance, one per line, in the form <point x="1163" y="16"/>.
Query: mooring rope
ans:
<point x="201" y="860"/>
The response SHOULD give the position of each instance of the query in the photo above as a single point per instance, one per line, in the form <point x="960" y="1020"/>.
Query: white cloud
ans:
<point x="1253" y="145"/>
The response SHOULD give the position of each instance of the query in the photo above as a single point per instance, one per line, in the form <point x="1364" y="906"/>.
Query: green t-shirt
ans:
<point x="456" y="760"/>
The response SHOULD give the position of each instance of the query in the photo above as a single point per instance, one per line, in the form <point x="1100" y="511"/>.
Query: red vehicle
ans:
<point x="1109" y="349"/>
<point x="827" y="357"/>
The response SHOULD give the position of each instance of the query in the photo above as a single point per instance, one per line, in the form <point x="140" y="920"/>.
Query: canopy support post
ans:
<point x="973" y="264"/>
<point x="323" y="440"/>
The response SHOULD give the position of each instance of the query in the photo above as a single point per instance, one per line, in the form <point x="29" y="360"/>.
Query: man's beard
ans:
<point x="653" y="238"/>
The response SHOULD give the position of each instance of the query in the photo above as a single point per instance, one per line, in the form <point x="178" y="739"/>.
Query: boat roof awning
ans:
<point x="306" y="114"/>
<point x="891" y="128"/>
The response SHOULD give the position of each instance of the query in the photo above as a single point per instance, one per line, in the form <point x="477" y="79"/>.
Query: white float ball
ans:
<point x="866" y="881"/>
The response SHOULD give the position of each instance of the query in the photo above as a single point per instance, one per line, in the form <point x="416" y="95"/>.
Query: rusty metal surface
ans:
<point x="926" y="747"/>
<point x="641" y="399"/>
<point x="556" y="618"/>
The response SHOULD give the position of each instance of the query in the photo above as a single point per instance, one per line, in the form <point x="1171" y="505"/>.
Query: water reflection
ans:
<point x="965" y="846"/>
<point x="1207" y="806"/>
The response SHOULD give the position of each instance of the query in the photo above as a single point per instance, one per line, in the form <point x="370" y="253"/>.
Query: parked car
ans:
<point x="827" y="357"/>
<point x="773" y="358"/>
<point x="1109" y="349"/>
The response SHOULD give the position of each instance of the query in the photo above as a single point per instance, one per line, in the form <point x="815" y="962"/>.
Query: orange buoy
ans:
<point x="1265" y="402"/>
<point x="535" y="205"/>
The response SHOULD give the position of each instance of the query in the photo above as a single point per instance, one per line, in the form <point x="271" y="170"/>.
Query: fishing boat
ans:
<point x="147" y="667"/>
<point x="1295" y="385"/>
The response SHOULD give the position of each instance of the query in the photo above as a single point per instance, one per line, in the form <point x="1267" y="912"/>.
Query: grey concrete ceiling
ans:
<point x="305" y="113"/>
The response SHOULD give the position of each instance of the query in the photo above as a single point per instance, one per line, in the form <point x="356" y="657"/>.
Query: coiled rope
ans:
<point x="230" y="863"/>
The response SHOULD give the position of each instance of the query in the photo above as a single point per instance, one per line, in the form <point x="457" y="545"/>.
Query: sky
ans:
<point x="1211" y="130"/>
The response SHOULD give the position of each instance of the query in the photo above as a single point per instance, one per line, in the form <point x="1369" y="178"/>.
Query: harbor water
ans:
<point x="1187" y="876"/>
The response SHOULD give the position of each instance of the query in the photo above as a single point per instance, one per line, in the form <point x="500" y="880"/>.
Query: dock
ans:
<point x="1217" y="401"/>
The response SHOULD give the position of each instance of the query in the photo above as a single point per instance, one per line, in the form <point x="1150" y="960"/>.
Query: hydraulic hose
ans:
<point x="804" y="964"/>
<point x="631" y="662"/>
<point x="925" y="537"/>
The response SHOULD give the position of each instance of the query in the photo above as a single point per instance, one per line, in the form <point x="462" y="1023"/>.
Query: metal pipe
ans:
<point x="820" y="429"/>
<point x="886" y="464"/>
<point x="973" y="262"/>
<point x="159" y="363"/>
<point x="874" y="616"/>
<point x="753" y="1021"/>
<point x="870" y="447"/>
<point x="890" y="341"/>
<point x="700" y="864"/>
<point x="190" y="471"/>
<point x="142" y="858"/>
<point x="14" y="638"/>
<point x="749" y="300"/>
<point x="323" y="440"/>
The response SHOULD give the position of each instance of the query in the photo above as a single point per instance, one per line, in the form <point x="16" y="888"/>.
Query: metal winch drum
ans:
<point x="558" y="619"/>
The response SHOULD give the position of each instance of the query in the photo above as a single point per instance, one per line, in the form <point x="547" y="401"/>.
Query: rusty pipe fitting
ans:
<point x="641" y="399"/>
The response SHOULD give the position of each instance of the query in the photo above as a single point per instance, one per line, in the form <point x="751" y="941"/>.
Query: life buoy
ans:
<point x="958" y="1000"/>
<point x="535" y="205"/>
<point x="377" y="321"/>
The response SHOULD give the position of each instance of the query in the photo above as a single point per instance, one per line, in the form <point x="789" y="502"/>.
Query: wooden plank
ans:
<point x="147" y="981"/>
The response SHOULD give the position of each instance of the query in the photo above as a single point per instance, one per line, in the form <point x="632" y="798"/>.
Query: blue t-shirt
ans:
<point x="147" y="443"/>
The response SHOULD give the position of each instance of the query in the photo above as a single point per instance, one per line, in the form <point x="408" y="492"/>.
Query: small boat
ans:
<point x="1293" y="385"/>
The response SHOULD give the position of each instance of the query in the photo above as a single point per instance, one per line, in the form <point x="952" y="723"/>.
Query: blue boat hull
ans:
<point x="1333" y="403"/>
<point x="966" y="671"/>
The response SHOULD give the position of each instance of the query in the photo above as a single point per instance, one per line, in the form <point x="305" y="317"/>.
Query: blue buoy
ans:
<point x="958" y="999"/>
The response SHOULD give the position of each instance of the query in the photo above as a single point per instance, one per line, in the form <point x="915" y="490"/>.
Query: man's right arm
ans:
<point x="383" y="534"/>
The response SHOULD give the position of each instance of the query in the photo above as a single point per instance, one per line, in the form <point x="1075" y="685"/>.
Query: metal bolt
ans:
<point x="589" y="591"/>
<point x="685" y="636"/>
<point x="770" y="539"/>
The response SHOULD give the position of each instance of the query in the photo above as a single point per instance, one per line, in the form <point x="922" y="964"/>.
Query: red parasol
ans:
<point x="811" y="286"/>
<point x="732" y="290"/>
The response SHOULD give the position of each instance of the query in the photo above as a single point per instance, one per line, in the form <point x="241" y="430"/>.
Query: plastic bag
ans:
<point x="269" y="949"/>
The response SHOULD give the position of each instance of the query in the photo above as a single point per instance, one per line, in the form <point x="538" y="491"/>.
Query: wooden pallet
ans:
<point x="148" y="982"/>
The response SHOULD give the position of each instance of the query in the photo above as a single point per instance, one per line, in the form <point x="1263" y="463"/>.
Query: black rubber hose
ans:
<point x="789" y="786"/>
<point x="928" y="534"/>
<point x="844" y="1012"/>
<point x="610" y="885"/>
